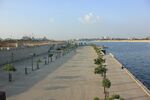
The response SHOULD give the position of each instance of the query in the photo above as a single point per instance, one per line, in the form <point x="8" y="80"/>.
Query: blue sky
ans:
<point x="66" y="19"/>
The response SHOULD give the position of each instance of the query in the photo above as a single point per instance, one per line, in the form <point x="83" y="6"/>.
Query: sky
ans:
<point x="69" y="19"/>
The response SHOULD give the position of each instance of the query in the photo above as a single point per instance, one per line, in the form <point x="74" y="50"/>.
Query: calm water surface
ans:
<point x="135" y="57"/>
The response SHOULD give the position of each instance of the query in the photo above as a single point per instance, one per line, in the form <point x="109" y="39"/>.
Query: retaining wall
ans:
<point x="7" y="56"/>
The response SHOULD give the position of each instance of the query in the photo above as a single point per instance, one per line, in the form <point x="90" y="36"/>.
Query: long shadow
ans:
<point x="26" y="82"/>
<point x="137" y="97"/>
<point x="125" y="90"/>
<point x="123" y="83"/>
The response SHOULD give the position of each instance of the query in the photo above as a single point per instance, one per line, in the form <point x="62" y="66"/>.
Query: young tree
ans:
<point x="50" y="55"/>
<point x="96" y="98"/>
<point x="9" y="68"/>
<point x="116" y="97"/>
<point x="106" y="84"/>
<point x="101" y="70"/>
<point x="38" y="62"/>
<point x="99" y="61"/>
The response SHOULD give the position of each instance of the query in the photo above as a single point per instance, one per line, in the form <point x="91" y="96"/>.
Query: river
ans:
<point x="134" y="55"/>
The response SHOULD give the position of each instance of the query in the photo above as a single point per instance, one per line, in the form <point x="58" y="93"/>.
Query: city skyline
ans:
<point x="74" y="19"/>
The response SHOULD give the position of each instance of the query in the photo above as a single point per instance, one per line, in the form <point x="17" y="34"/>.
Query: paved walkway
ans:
<point x="72" y="80"/>
<point x="122" y="83"/>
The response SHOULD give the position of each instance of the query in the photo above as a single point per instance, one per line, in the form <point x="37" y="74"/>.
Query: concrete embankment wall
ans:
<point x="7" y="56"/>
<point x="143" y="87"/>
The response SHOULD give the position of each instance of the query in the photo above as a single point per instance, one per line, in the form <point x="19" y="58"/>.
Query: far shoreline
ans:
<point x="121" y="41"/>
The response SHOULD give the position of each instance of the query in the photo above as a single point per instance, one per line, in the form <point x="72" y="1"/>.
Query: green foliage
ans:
<point x="39" y="61"/>
<point x="106" y="83"/>
<point x="100" y="70"/>
<point x="9" y="68"/>
<point x="99" y="61"/>
<point x="97" y="70"/>
<point x="96" y="98"/>
<point x="58" y="49"/>
<point x="50" y="55"/>
<point x="115" y="96"/>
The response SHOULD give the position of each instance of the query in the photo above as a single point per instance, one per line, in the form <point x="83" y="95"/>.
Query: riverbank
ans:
<point x="123" y="82"/>
<point x="143" y="87"/>
<point x="121" y="41"/>
<point x="72" y="77"/>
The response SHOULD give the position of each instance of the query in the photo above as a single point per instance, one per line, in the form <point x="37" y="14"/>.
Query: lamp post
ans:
<point x="26" y="70"/>
<point x="48" y="55"/>
<point x="12" y="57"/>
<point x="45" y="60"/>
<point x="51" y="54"/>
<point x="32" y="58"/>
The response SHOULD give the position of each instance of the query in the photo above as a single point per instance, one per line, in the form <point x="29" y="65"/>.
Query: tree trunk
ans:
<point x="37" y="65"/>
<point x="45" y="62"/>
<point x="51" y="59"/>
<point x="32" y="64"/>
<point x="104" y="75"/>
<point x="48" y="59"/>
<point x="10" y="77"/>
<point x="105" y="93"/>
<point x="26" y="70"/>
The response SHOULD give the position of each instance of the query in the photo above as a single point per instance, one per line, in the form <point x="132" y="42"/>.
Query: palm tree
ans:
<point x="38" y="62"/>
<point x="9" y="68"/>
<point x="106" y="84"/>
<point x="50" y="55"/>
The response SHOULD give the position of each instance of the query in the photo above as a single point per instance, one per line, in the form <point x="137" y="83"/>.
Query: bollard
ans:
<point x="26" y="70"/>
<point x="2" y="95"/>
<point x="45" y="62"/>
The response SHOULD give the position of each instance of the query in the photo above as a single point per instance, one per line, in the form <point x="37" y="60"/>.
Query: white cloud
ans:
<point x="90" y="18"/>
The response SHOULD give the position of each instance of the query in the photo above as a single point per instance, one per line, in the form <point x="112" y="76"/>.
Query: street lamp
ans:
<point x="32" y="57"/>
<point x="48" y="54"/>
<point x="12" y="57"/>
<point x="26" y="70"/>
<point x="45" y="60"/>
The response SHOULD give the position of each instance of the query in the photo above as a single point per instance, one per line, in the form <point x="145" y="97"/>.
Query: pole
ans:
<point x="32" y="63"/>
<point x="26" y="71"/>
<point x="12" y="57"/>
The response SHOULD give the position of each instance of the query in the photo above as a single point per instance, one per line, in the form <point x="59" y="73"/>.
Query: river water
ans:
<point x="134" y="55"/>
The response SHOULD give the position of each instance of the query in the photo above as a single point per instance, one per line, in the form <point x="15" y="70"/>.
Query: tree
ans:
<point x="104" y="70"/>
<point x="50" y="55"/>
<point x="38" y="62"/>
<point x="99" y="61"/>
<point x="96" y="98"/>
<point x="115" y="97"/>
<point x="101" y="70"/>
<point x="106" y="84"/>
<point x="9" y="68"/>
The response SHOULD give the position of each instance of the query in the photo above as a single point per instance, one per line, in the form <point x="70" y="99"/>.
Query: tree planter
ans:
<point x="9" y="68"/>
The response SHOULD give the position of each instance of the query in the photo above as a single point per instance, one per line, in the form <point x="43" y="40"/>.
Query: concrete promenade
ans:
<point x="122" y="83"/>
<point x="72" y="77"/>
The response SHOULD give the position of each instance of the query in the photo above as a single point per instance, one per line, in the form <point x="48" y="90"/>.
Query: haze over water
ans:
<point x="134" y="56"/>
